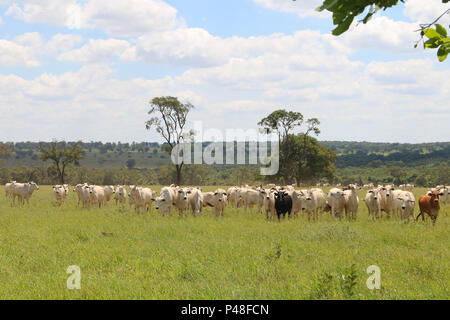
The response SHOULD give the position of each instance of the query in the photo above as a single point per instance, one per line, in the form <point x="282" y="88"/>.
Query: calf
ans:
<point x="283" y="204"/>
<point x="429" y="204"/>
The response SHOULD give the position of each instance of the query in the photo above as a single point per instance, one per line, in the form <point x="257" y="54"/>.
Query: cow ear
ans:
<point x="429" y="193"/>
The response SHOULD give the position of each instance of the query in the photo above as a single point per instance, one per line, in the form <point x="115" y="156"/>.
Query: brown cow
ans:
<point x="429" y="204"/>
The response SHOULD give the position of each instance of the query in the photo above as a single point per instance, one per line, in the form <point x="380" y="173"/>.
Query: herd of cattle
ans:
<point x="274" y="200"/>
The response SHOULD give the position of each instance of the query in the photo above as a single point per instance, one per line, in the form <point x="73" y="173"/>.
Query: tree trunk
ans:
<point x="62" y="174"/>
<point x="179" y="167"/>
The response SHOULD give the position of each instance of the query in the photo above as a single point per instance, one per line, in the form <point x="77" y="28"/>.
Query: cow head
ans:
<point x="220" y="195"/>
<point x="280" y="195"/>
<point x="434" y="196"/>
<point x="389" y="190"/>
<point x="375" y="193"/>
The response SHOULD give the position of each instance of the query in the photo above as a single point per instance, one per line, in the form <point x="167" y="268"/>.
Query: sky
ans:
<point x="86" y="70"/>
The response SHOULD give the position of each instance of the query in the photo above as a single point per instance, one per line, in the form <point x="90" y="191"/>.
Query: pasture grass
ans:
<point x="240" y="256"/>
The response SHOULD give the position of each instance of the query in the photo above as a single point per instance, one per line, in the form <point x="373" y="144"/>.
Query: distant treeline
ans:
<point x="148" y="163"/>
<point x="151" y="155"/>
<point x="362" y="154"/>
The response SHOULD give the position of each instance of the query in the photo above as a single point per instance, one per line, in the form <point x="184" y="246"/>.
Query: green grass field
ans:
<point x="241" y="256"/>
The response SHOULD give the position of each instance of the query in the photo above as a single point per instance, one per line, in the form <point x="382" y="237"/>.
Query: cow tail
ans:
<point x="420" y="213"/>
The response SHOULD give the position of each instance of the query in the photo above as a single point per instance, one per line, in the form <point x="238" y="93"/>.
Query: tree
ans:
<point x="345" y="11"/>
<point x="296" y="152"/>
<point x="4" y="151"/>
<point x="131" y="163"/>
<point x="281" y="121"/>
<point x="398" y="174"/>
<point x="169" y="120"/>
<point x="305" y="163"/>
<point x="62" y="154"/>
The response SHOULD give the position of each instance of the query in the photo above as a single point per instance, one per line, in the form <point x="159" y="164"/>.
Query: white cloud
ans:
<point x="27" y="49"/>
<point x="43" y="11"/>
<point x="131" y="17"/>
<point x="301" y="8"/>
<point x="197" y="47"/>
<point x="96" y="51"/>
<point x="425" y="13"/>
<point x="383" y="34"/>
<point x="62" y="43"/>
<point x="19" y="52"/>
<point x="115" y="17"/>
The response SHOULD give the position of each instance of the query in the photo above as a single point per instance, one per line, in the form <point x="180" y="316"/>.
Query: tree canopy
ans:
<point x="302" y="158"/>
<point x="169" y="120"/>
<point x="281" y="121"/>
<point x="62" y="155"/>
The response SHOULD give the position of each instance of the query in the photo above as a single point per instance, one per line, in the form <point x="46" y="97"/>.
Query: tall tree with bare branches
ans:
<point x="169" y="118"/>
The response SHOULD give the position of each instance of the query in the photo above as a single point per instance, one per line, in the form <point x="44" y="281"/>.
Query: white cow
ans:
<point x="143" y="199"/>
<point x="351" y="201"/>
<point x="406" y="201"/>
<point x="250" y="198"/>
<point x="269" y="202"/>
<point x="181" y="200"/>
<point x="195" y="198"/>
<point x="386" y="199"/>
<point x="60" y="194"/>
<point x="219" y="202"/>
<point x="82" y="191"/>
<point x="9" y="188"/>
<point x="120" y="195"/>
<point x="233" y="196"/>
<point x="312" y="202"/>
<point x="165" y="201"/>
<point x="298" y="197"/>
<point x="445" y="198"/>
<point x="109" y="192"/>
<point x="373" y="203"/>
<point x="23" y="191"/>
<point x="97" y="196"/>
<point x="336" y="201"/>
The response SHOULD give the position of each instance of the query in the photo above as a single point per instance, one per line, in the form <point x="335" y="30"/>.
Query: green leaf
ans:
<point x="431" y="33"/>
<point x="441" y="30"/>
<point x="433" y="43"/>
<point x="442" y="53"/>
<point x="343" y="26"/>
